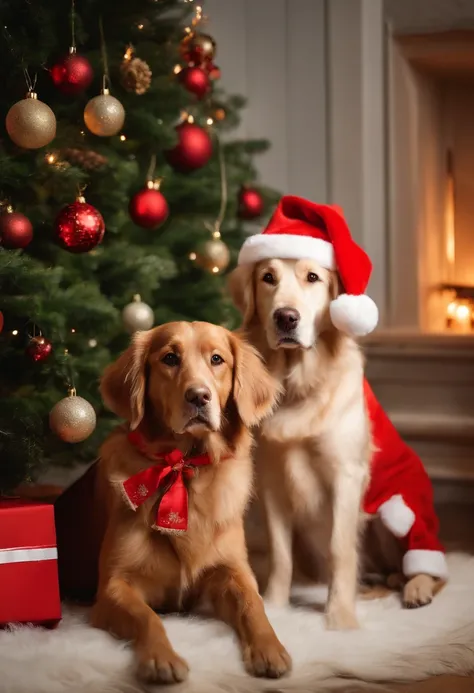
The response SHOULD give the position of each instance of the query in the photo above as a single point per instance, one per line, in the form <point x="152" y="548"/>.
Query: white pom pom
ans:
<point x="354" y="315"/>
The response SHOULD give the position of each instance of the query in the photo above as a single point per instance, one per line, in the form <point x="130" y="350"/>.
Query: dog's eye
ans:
<point x="170" y="359"/>
<point x="216" y="360"/>
<point x="268" y="278"/>
<point x="312" y="277"/>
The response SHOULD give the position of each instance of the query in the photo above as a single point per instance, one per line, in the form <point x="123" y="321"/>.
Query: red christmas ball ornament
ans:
<point x="79" y="227"/>
<point x="16" y="230"/>
<point x="72" y="74"/>
<point x="194" y="148"/>
<point x="148" y="208"/>
<point x="250" y="203"/>
<point x="195" y="80"/>
<point x="39" y="349"/>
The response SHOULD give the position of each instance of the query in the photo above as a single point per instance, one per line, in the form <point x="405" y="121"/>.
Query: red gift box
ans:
<point x="29" y="591"/>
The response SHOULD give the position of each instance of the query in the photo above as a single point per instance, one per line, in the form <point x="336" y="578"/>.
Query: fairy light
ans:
<point x="92" y="343"/>
<point x="140" y="26"/>
<point x="215" y="270"/>
<point x="210" y="121"/>
<point x="73" y="331"/>
<point x="190" y="119"/>
<point x="216" y="234"/>
<point x="177" y="69"/>
<point x="128" y="55"/>
<point x="192" y="256"/>
<point x="14" y="333"/>
<point x="51" y="158"/>
<point x="122" y="138"/>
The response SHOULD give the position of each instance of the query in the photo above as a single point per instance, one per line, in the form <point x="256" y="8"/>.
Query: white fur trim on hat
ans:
<point x="286" y="246"/>
<point x="397" y="516"/>
<point x="419" y="561"/>
<point x="354" y="315"/>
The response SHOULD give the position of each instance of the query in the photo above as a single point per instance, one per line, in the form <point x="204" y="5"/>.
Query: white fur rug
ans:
<point x="393" y="644"/>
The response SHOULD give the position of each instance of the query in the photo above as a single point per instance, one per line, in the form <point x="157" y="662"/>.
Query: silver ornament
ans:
<point x="137" y="316"/>
<point x="104" y="115"/>
<point x="72" y="419"/>
<point x="30" y="123"/>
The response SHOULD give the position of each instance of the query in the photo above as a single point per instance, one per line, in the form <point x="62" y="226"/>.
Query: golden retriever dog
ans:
<point x="314" y="452"/>
<point x="176" y="481"/>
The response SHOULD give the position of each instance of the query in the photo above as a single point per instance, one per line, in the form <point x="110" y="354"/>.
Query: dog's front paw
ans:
<point x="418" y="591"/>
<point x="161" y="665"/>
<point x="267" y="658"/>
<point x="341" y="618"/>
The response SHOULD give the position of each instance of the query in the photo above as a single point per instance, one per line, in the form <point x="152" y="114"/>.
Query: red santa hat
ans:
<point x="301" y="229"/>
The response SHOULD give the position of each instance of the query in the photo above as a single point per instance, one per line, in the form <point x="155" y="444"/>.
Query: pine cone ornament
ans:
<point x="135" y="75"/>
<point x="85" y="158"/>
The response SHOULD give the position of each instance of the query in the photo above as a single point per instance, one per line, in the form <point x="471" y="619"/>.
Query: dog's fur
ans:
<point x="142" y="569"/>
<point x="313" y="453"/>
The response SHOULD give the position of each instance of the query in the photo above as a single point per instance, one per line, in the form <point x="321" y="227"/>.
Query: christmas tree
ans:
<point x="128" y="132"/>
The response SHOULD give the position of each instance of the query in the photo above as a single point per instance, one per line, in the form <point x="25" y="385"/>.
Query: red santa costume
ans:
<point x="400" y="490"/>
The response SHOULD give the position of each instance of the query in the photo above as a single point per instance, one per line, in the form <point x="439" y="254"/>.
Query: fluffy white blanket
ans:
<point x="393" y="645"/>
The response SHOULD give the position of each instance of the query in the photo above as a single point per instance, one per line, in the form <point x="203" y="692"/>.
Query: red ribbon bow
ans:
<point x="168" y="479"/>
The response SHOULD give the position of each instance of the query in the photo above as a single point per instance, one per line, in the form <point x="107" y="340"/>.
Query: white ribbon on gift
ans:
<point x="49" y="553"/>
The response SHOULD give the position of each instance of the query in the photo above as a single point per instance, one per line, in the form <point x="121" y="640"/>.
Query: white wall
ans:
<point x="313" y="73"/>
<point x="273" y="52"/>
<point x="415" y="16"/>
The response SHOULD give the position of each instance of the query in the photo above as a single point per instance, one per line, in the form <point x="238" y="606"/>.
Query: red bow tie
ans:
<point x="167" y="478"/>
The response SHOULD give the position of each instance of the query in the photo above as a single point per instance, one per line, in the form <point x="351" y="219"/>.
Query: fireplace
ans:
<point x="431" y="196"/>
<point x="421" y="361"/>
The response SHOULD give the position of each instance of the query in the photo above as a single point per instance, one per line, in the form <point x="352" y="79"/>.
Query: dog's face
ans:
<point x="185" y="376"/>
<point x="290" y="298"/>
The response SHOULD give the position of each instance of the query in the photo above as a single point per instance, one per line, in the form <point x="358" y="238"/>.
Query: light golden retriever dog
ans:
<point x="313" y="454"/>
<point x="194" y="389"/>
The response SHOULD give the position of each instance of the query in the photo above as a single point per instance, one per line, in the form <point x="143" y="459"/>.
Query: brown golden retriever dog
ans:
<point x="313" y="453"/>
<point x="194" y="389"/>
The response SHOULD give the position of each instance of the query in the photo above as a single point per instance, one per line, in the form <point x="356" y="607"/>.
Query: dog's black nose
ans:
<point x="199" y="396"/>
<point x="286" y="319"/>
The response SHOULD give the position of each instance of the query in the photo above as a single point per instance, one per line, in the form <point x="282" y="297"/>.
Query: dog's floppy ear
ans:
<point x="241" y="288"/>
<point x="255" y="390"/>
<point x="123" y="384"/>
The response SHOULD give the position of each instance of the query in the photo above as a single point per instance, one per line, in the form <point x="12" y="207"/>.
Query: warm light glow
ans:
<point x="463" y="313"/>
<point x="128" y="55"/>
<point x="449" y="223"/>
<point x="210" y="121"/>
<point x="92" y="343"/>
<point x="190" y="119"/>
<point x="192" y="256"/>
<point x="14" y="333"/>
<point x="66" y="351"/>
<point x="177" y="69"/>
<point x="451" y="309"/>
<point x="73" y="330"/>
<point x="215" y="270"/>
<point x="140" y="26"/>
<point x="122" y="138"/>
<point x="51" y="158"/>
<point x="216" y="234"/>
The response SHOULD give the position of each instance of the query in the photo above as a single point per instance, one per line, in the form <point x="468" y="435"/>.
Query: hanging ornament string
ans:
<point x="105" y="62"/>
<point x="151" y="168"/>
<point x="73" y="26"/>
<point x="31" y="84"/>
<point x="215" y="228"/>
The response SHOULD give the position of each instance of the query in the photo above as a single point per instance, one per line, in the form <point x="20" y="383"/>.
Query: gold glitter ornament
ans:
<point x="30" y="123"/>
<point x="72" y="419"/>
<point x="104" y="115"/>
<point x="213" y="256"/>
